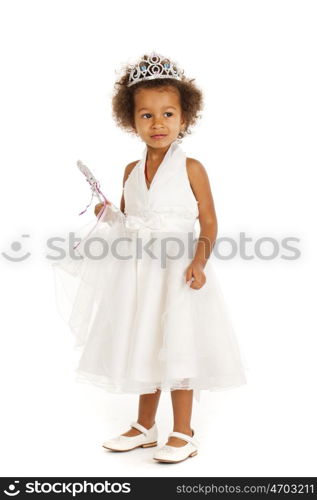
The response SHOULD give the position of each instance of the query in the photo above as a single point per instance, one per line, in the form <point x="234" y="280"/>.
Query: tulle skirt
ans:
<point x="137" y="323"/>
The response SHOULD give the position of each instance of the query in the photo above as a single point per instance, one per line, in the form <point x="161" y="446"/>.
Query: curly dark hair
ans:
<point x="191" y="98"/>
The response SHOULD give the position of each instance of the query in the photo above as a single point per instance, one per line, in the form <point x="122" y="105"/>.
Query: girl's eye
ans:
<point x="149" y="114"/>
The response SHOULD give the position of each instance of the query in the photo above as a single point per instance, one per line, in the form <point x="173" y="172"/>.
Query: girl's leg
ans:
<point x="182" y="401"/>
<point x="148" y="404"/>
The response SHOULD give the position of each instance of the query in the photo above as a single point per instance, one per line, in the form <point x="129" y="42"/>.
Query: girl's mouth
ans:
<point x="158" y="136"/>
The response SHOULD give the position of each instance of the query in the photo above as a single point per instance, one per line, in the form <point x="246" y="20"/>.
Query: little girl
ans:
<point x="155" y="319"/>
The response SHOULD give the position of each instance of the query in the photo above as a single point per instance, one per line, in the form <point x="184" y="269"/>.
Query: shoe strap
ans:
<point x="180" y="435"/>
<point x="140" y="428"/>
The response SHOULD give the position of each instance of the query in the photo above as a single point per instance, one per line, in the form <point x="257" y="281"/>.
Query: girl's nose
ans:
<point x="157" y="122"/>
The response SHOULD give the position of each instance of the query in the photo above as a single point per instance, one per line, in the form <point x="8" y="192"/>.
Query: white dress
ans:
<point x="139" y="326"/>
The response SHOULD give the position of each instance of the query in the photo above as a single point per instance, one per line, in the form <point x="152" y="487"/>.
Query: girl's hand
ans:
<point x="99" y="206"/>
<point x="196" y="271"/>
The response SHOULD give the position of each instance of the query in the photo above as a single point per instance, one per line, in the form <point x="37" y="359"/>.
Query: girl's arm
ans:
<point x="200" y="185"/>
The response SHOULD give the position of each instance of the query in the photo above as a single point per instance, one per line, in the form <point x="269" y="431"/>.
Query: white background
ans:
<point x="256" y="64"/>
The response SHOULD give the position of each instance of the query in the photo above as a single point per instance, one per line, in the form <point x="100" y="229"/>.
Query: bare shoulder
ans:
<point x="196" y="171"/>
<point x="130" y="166"/>
<point x="128" y="169"/>
<point x="195" y="167"/>
<point x="200" y="185"/>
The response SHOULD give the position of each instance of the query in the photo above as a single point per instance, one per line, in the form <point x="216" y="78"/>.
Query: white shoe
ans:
<point x="174" y="454"/>
<point x="147" y="439"/>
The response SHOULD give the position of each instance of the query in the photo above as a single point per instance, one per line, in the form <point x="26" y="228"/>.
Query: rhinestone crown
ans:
<point x="152" y="67"/>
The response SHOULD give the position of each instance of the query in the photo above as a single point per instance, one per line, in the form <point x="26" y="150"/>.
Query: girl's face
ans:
<point x="158" y="111"/>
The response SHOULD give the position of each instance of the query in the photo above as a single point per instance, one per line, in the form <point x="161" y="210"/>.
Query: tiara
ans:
<point x="152" y="67"/>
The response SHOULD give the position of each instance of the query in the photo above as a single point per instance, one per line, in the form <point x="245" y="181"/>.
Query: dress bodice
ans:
<point x="169" y="203"/>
